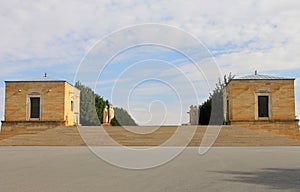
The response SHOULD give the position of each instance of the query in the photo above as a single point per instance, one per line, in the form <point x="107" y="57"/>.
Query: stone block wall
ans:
<point x="17" y="100"/>
<point x="241" y="95"/>
<point x="55" y="104"/>
<point x="72" y="95"/>
<point x="13" y="125"/>
<point x="241" y="105"/>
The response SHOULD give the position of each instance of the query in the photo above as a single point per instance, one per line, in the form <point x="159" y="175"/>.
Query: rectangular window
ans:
<point x="263" y="106"/>
<point x="35" y="107"/>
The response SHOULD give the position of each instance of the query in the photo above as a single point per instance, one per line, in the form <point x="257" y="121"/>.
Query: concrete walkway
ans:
<point x="221" y="169"/>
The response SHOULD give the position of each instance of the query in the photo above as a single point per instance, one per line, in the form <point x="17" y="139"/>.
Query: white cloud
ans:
<point x="278" y="58"/>
<point x="48" y="28"/>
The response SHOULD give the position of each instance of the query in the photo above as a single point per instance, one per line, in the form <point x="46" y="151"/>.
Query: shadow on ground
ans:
<point x="275" y="178"/>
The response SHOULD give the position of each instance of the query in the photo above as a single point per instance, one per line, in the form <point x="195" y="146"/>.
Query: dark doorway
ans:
<point x="34" y="107"/>
<point x="227" y="111"/>
<point x="263" y="106"/>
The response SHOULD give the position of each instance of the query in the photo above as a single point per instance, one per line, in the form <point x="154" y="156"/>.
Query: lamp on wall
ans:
<point x="19" y="90"/>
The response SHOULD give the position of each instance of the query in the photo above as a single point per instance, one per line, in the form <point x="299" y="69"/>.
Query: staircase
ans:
<point x="144" y="136"/>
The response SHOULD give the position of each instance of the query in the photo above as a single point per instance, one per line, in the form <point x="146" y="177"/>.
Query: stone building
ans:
<point x="261" y="102"/>
<point x="40" y="103"/>
<point x="194" y="115"/>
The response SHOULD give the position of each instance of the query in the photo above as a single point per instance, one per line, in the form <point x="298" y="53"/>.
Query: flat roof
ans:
<point x="41" y="79"/>
<point x="261" y="77"/>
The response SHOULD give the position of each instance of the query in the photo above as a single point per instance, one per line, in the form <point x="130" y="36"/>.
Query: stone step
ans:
<point x="70" y="136"/>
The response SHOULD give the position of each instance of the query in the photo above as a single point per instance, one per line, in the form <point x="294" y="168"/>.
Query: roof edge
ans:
<point x="53" y="81"/>
<point x="35" y="81"/>
<point x="264" y="79"/>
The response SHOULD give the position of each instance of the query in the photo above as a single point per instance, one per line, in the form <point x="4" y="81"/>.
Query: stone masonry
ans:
<point x="241" y="105"/>
<point x="59" y="104"/>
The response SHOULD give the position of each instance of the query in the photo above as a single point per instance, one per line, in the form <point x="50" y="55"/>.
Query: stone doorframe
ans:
<point x="269" y="105"/>
<point x="28" y="104"/>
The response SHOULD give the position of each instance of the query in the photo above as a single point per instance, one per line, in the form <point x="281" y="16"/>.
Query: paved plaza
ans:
<point x="220" y="169"/>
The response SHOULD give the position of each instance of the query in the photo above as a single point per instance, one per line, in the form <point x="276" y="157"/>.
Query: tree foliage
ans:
<point x="205" y="110"/>
<point x="100" y="103"/>
<point x="211" y="111"/>
<point x="91" y="109"/>
<point x="122" y="118"/>
<point x="88" y="115"/>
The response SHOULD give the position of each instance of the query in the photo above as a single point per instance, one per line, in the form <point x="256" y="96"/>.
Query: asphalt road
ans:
<point x="220" y="169"/>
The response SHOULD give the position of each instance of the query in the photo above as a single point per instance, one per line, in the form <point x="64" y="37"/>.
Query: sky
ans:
<point x="153" y="58"/>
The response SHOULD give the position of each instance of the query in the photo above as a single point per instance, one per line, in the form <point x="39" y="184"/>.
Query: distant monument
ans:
<point x="194" y="115"/>
<point x="105" y="115"/>
<point x="111" y="113"/>
<point x="108" y="115"/>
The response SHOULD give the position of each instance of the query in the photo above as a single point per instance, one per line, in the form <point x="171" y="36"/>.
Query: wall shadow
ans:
<point x="275" y="178"/>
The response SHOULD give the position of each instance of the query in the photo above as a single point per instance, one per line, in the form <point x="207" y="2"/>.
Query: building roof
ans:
<point x="261" y="77"/>
<point x="45" y="78"/>
<point x="39" y="79"/>
<point x="42" y="79"/>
